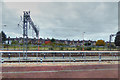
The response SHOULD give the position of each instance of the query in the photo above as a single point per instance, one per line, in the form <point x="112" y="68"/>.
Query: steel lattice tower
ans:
<point x="27" y="21"/>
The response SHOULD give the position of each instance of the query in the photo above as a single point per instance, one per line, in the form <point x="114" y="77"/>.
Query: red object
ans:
<point x="47" y="42"/>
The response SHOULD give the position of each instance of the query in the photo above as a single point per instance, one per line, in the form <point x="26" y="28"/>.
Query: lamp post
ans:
<point x="83" y="41"/>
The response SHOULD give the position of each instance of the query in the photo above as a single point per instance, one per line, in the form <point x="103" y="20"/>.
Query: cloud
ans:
<point x="12" y="33"/>
<point x="1" y="16"/>
<point x="65" y="20"/>
<point x="60" y="0"/>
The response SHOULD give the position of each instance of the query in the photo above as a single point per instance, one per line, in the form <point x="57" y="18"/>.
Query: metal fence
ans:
<point x="58" y="56"/>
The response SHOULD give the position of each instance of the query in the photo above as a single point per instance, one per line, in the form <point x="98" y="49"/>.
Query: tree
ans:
<point x="3" y="36"/>
<point x="29" y="42"/>
<point x="87" y="44"/>
<point x="117" y="39"/>
<point x="21" y="44"/>
<point x="52" y="40"/>
<point x="14" y="42"/>
<point x="43" y="44"/>
<point x="78" y="48"/>
<point x="61" y="48"/>
<point x="88" y="48"/>
<point x="100" y="43"/>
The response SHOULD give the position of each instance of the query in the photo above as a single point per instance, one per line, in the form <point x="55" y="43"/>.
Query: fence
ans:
<point x="58" y="56"/>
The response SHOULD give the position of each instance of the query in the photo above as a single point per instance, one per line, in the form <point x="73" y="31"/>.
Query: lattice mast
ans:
<point x="27" y="21"/>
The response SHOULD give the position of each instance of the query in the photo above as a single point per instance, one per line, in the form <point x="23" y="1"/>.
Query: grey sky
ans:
<point x="64" y="20"/>
<point x="0" y="15"/>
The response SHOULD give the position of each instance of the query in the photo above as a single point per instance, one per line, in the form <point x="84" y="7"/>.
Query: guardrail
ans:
<point x="59" y="56"/>
<point x="60" y="51"/>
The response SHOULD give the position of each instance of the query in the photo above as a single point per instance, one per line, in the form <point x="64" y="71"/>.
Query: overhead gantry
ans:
<point x="27" y="21"/>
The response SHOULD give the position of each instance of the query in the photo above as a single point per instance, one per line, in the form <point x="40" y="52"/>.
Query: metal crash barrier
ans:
<point x="58" y="56"/>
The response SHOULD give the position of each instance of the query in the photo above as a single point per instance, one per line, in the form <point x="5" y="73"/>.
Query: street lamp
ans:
<point x="83" y="41"/>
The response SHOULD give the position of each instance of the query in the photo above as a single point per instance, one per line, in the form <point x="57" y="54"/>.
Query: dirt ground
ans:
<point x="55" y="64"/>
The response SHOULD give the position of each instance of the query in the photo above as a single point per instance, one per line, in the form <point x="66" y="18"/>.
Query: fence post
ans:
<point x="63" y="55"/>
<point x="53" y="57"/>
<point x="19" y="58"/>
<point x="112" y="56"/>
<point x="99" y="57"/>
<point x="74" y="60"/>
<point x="84" y="57"/>
<point x="70" y="57"/>
<point x="115" y="55"/>
<point x="41" y="60"/>
<point x="44" y="55"/>
<point x="26" y="55"/>
<point x="37" y="57"/>
<point x="9" y="56"/>
<point x="90" y="55"/>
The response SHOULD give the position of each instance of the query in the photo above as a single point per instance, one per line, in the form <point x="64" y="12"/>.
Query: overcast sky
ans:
<point x="64" y="20"/>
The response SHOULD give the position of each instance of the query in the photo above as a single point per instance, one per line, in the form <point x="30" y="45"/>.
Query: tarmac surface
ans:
<point x="59" y="71"/>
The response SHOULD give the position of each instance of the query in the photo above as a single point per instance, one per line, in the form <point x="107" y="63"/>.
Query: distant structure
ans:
<point x="71" y="43"/>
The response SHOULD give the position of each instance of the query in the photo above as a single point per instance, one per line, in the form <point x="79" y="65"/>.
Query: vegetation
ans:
<point x="52" y="40"/>
<point x="100" y="43"/>
<point x="3" y="36"/>
<point x="87" y="44"/>
<point x="53" y="45"/>
<point x="14" y="42"/>
<point x="117" y="39"/>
